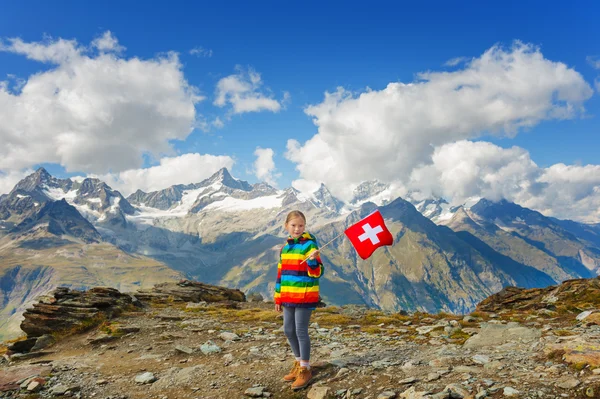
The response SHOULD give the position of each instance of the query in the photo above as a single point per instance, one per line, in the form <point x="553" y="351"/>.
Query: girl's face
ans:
<point x="295" y="227"/>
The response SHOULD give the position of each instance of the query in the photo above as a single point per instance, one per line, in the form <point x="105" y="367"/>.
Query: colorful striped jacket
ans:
<point x="298" y="283"/>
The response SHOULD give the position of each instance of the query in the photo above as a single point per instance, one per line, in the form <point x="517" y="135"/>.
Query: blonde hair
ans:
<point x="294" y="214"/>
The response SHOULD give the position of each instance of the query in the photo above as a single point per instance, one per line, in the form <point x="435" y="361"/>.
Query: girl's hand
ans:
<point x="314" y="254"/>
<point x="277" y="307"/>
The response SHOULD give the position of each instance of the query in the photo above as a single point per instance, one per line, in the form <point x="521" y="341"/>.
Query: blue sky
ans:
<point x="305" y="49"/>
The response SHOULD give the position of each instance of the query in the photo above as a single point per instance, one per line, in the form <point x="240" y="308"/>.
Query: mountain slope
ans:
<point x="29" y="269"/>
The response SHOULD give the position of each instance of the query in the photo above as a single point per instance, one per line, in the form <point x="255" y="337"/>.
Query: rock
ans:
<point x="59" y="390"/>
<point x="190" y="291"/>
<point x="11" y="378"/>
<point x="513" y="298"/>
<point x="481" y="359"/>
<point x="73" y="309"/>
<point x="510" y="391"/>
<point x="432" y="377"/>
<point x="576" y="352"/>
<point x="568" y="383"/>
<point x="145" y="378"/>
<point x="35" y="384"/>
<point x="409" y="380"/>
<point x="255" y="297"/>
<point x="318" y="392"/>
<point x="387" y="395"/>
<point x="425" y="329"/>
<point x="229" y="336"/>
<point x="581" y="316"/>
<point x="458" y="392"/>
<point x="22" y="346"/>
<point x="101" y="339"/>
<point x="43" y="342"/>
<point x="209" y="347"/>
<point x="184" y="349"/>
<point x="411" y="393"/>
<point x="225" y="305"/>
<point x="228" y="358"/>
<point x="255" y="392"/>
<point x="499" y="334"/>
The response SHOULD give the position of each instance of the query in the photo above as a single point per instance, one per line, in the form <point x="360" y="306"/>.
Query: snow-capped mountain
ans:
<point x="370" y="191"/>
<point x="226" y="231"/>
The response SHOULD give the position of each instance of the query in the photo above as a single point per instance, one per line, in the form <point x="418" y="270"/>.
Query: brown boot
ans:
<point x="293" y="373"/>
<point x="303" y="379"/>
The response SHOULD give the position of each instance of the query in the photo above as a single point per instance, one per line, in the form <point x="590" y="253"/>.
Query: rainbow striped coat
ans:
<point x="298" y="283"/>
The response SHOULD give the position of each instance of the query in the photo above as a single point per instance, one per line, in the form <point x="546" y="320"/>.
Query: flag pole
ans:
<point x="330" y="241"/>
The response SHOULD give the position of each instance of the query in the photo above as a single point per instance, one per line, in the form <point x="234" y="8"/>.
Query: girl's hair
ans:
<point x="295" y="214"/>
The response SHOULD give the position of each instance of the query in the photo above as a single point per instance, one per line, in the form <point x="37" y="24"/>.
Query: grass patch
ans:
<point x="371" y="330"/>
<point x="563" y="333"/>
<point x="556" y="355"/>
<point x="333" y="320"/>
<point x="328" y="309"/>
<point x="459" y="337"/>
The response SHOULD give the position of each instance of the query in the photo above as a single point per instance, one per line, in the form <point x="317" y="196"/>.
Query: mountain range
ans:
<point x="225" y="231"/>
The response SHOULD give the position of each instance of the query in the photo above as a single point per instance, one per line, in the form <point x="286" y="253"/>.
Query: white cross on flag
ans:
<point x="369" y="234"/>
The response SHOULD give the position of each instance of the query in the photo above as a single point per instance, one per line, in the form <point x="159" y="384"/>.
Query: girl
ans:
<point x="297" y="293"/>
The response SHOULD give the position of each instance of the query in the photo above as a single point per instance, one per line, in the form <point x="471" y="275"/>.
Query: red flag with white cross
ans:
<point x="368" y="234"/>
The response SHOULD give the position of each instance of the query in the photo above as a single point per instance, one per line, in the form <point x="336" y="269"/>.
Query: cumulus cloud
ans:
<point x="107" y="42"/>
<point x="264" y="166"/>
<point x="184" y="169"/>
<point x="201" y="52"/>
<point x="243" y="92"/>
<point x="93" y="111"/>
<point x="386" y="134"/>
<point x="465" y="169"/>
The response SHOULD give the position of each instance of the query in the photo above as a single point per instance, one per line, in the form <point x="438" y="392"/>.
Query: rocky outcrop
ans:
<point x="581" y="293"/>
<point x="190" y="291"/>
<point x="65" y="309"/>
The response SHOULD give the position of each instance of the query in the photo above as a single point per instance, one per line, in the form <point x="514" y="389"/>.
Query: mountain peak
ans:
<point x="42" y="172"/>
<point x="224" y="177"/>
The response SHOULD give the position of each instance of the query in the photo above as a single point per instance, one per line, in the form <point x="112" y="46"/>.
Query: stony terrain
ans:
<point x="175" y="344"/>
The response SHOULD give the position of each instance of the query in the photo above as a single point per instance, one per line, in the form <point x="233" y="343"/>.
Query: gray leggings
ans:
<point x="295" y="327"/>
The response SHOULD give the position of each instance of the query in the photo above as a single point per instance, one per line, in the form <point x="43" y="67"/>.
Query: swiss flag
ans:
<point x="369" y="234"/>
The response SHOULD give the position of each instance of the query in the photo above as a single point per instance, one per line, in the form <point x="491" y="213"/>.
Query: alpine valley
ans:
<point x="223" y="231"/>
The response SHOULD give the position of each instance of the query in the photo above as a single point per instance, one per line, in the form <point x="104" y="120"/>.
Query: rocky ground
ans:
<point x="529" y="347"/>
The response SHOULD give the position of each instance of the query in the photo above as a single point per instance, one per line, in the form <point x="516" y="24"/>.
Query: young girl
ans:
<point x="297" y="293"/>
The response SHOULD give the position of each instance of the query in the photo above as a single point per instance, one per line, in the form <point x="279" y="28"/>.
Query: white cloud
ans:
<point x="455" y="61"/>
<point x="107" y="42"/>
<point x="184" y="169"/>
<point x="467" y="169"/>
<point x="201" y="52"/>
<point x="93" y="113"/>
<point x="243" y="92"/>
<point x="593" y="61"/>
<point x="264" y="166"/>
<point x="218" y="123"/>
<point x="53" y="51"/>
<point x="387" y="134"/>
<point x="9" y="178"/>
